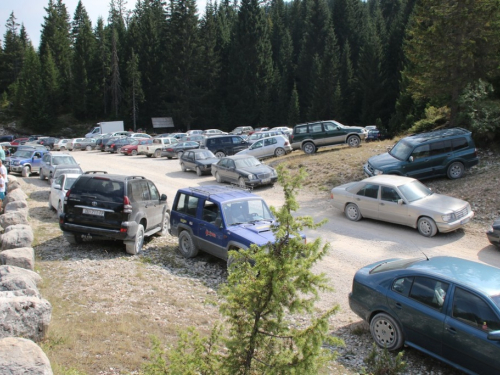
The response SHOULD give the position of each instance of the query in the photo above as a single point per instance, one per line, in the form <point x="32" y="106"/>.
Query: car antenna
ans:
<point x="426" y="257"/>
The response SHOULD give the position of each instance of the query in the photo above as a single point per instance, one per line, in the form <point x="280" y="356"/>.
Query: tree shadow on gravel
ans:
<point x="43" y="214"/>
<point x="40" y="196"/>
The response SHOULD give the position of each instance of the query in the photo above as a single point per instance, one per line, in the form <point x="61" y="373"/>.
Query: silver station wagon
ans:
<point x="401" y="200"/>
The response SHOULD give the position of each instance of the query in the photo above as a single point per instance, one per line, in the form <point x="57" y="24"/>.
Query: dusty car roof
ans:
<point x="389" y="179"/>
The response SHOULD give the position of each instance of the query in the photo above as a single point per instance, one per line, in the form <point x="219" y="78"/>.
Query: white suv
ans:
<point x="154" y="149"/>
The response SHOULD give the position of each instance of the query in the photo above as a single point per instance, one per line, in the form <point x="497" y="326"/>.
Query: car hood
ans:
<point x="255" y="170"/>
<point x="383" y="160"/>
<point x="207" y="161"/>
<point x="440" y="203"/>
<point x="259" y="233"/>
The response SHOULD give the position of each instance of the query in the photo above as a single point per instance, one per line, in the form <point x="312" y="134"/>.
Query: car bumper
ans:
<point x="448" y="227"/>
<point x="358" y="308"/>
<point x="493" y="237"/>
<point x="114" y="234"/>
<point x="16" y="168"/>
<point x="367" y="170"/>
<point x="260" y="182"/>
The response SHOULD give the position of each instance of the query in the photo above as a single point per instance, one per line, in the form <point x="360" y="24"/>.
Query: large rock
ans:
<point x="17" y="227"/>
<point x="17" y="206"/>
<point x="13" y="218"/>
<point x="22" y="356"/>
<point x="23" y="257"/>
<point x="13" y="184"/>
<point x="14" y="196"/>
<point x="17" y="238"/>
<point x="20" y="293"/>
<point x="16" y="278"/>
<point x="27" y="317"/>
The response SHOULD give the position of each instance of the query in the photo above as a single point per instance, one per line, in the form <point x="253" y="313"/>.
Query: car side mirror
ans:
<point x="400" y="202"/>
<point x="494" y="336"/>
<point x="163" y="198"/>
<point x="57" y="187"/>
<point x="410" y="159"/>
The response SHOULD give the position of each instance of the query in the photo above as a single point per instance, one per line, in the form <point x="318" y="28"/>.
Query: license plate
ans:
<point x="464" y="221"/>
<point x="93" y="212"/>
<point x="266" y="180"/>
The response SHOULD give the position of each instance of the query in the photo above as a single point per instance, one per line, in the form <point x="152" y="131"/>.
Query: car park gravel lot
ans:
<point x="165" y="291"/>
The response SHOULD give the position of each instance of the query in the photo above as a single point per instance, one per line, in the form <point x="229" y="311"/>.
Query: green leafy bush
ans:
<point x="381" y="362"/>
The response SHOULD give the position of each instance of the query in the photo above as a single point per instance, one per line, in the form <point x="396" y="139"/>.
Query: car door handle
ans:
<point x="398" y="305"/>
<point x="452" y="330"/>
<point x="381" y="204"/>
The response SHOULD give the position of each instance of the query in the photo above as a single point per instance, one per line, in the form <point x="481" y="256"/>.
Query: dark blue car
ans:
<point x="446" y="307"/>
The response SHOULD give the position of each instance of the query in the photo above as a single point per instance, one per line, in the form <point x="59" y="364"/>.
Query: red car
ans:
<point x="19" y="141"/>
<point x="131" y="149"/>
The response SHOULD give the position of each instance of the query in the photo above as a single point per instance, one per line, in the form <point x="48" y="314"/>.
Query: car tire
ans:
<point x="352" y="212"/>
<point x="309" y="148"/>
<point x="353" y="141"/>
<point x="148" y="155"/>
<point x="426" y="226"/>
<point x="165" y="225"/>
<point x="63" y="148"/>
<point x="198" y="171"/>
<point x="135" y="247"/>
<point x="157" y="154"/>
<point x="134" y="152"/>
<point x="241" y="183"/>
<point x="26" y="172"/>
<point x="88" y="148"/>
<point x="386" y="332"/>
<point x="217" y="177"/>
<point x="280" y="151"/>
<point x="72" y="239"/>
<point x="186" y="245"/>
<point x="455" y="170"/>
<point x="220" y="154"/>
<point x="183" y="167"/>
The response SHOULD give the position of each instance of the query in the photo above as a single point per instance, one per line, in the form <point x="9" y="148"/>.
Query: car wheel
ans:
<point x="26" y="172"/>
<point x="426" y="226"/>
<point x="455" y="170"/>
<point x="165" y="225"/>
<point x="183" y="167"/>
<point x="217" y="177"/>
<point x="309" y="148"/>
<point x="241" y="182"/>
<point x="88" y="148"/>
<point x="63" y="148"/>
<point x="386" y="332"/>
<point x="353" y="141"/>
<point x="169" y="157"/>
<point x="148" y="155"/>
<point x="157" y="154"/>
<point x="220" y="154"/>
<point x="72" y="239"/>
<point x="135" y="247"/>
<point x="198" y="171"/>
<point x="186" y="245"/>
<point x="352" y="212"/>
<point x="279" y="151"/>
<point x="134" y="152"/>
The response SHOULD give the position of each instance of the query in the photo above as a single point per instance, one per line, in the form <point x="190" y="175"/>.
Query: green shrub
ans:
<point x="381" y="362"/>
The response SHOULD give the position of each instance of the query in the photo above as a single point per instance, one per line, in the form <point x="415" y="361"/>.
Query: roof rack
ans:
<point x="219" y="189"/>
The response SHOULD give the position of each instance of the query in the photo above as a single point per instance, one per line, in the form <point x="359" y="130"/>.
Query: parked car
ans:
<point x="61" y="145"/>
<point x="445" y="152"/>
<point x="254" y="137"/>
<point x="88" y="144"/>
<point x="259" y="130"/>
<point x="66" y="169"/>
<point x="242" y="130"/>
<point x="198" y="160"/>
<point x="71" y="144"/>
<point x="493" y="233"/>
<point x="243" y="170"/>
<point x="223" y="145"/>
<point x="155" y="148"/>
<point x="194" y="132"/>
<point x="140" y="135"/>
<point x="100" y="143"/>
<point x="177" y="149"/>
<point x="48" y="142"/>
<point x="58" y="190"/>
<point x="195" y="137"/>
<point x="178" y="135"/>
<point x="276" y="145"/>
<point x="446" y="307"/>
<point x="131" y="148"/>
<point x="19" y="141"/>
<point x="309" y="137"/>
<point x="213" y="132"/>
<point x="115" y="146"/>
<point x="401" y="200"/>
<point x="109" y="147"/>
<point x="51" y="159"/>
<point x="7" y="138"/>
<point x="372" y="133"/>
<point x="27" y="160"/>
<point x="115" y="207"/>
<point x="217" y="219"/>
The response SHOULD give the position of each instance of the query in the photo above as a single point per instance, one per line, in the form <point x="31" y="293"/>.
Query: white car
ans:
<point x="213" y="132"/>
<point x="71" y="143"/>
<point x="265" y="134"/>
<point x="58" y="190"/>
<point x="140" y="135"/>
<point x="276" y="145"/>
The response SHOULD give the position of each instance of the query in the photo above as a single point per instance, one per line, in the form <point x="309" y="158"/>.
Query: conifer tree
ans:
<point x="135" y="93"/>
<point x="101" y="70"/>
<point x="115" y="81"/>
<point x="293" y="108"/>
<point x="13" y="49"/>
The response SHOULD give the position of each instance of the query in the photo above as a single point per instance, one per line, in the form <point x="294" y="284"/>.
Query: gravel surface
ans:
<point x="353" y="246"/>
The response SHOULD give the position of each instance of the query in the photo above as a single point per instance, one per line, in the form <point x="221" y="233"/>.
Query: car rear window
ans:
<point x="394" y="265"/>
<point x="103" y="188"/>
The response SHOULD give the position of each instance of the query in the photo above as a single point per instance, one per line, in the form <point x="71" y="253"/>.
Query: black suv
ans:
<point x="116" y="207"/>
<point x="444" y="152"/>
<point x="225" y="145"/>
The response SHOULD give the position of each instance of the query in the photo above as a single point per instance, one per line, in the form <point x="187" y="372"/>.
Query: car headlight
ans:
<point x="376" y="172"/>
<point x="251" y="177"/>
<point x="448" y="217"/>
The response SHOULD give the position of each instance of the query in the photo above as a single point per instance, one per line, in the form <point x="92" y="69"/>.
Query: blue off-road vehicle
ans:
<point x="27" y="160"/>
<point x="217" y="219"/>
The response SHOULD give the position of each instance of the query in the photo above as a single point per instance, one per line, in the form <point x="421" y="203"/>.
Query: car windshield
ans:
<point x="22" y="154"/>
<point x="69" y="182"/>
<point x="415" y="190"/>
<point x="246" y="211"/>
<point x="204" y="155"/>
<point x="255" y="136"/>
<point x="394" y="264"/>
<point x="248" y="162"/>
<point x="401" y="150"/>
<point x="63" y="160"/>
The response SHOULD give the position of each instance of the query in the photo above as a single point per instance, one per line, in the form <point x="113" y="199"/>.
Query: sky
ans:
<point x="31" y="13"/>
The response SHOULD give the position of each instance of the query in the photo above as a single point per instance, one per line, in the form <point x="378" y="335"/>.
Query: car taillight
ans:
<point x="67" y="196"/>
<point x="287" y="143"/>
<point x="475" y="152"/>
<point x="170" y="149"/>
<point x="291" y="137"/>
<point x="127" y="207"/>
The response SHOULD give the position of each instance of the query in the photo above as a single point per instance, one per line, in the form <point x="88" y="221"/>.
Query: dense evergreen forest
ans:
<point x="399" y="64"/>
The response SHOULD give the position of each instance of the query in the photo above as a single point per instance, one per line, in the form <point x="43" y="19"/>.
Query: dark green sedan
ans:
<point x="446" y="307"/>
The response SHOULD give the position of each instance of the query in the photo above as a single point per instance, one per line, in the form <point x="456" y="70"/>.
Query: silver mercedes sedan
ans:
<point x="401" y="200"/>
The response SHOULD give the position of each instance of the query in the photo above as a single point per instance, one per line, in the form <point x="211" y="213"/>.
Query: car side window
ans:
<point x="402" y="285"/>
<point x="301" y="129"/>
<point x="316" y="128"/>
<point x="230" y="163"/>
<point x="329" y="127"/>
<point x="369" y="190"/>
<point x="140" y="191"/>
<point x="187" y="204"/>
<point x="440" y="147"/>
<point x="389" y="194"/>
<point x="223" y="163"/>
<point x="269" y="141"/>
<point x="46" y="158"/>
<point x="471" y="309"/>
<point x="236" y="140"/>
<point x="59" y="180"/>
<point x="257" y="144"/>
<point x="459" y="143"/>
<point x="210" y="212"/>
<point x="155" y="195"/>
<point x="421" y="152"/>
<point x="429" y="291"/>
